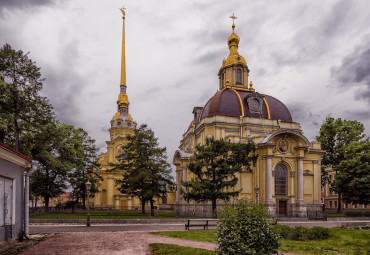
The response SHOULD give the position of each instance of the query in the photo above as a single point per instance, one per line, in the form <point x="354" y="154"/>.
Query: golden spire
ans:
<point x="123" y="63"/>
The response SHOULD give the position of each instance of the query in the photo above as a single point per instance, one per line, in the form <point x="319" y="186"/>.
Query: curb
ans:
<point x="107" y="221"/>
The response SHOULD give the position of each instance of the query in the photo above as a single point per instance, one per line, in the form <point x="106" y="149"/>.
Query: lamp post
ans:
<point x="88" y="187"/>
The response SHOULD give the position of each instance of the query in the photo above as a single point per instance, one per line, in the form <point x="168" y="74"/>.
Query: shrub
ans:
<point x="244" y="229"/>
<point x="318" y="233"/>
<point x="299" y="233"/>
<point x="284" y="231"/>
<point x="353" y="213"/>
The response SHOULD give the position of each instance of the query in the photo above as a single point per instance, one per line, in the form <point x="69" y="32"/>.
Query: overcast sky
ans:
<point x="314" y="56"/>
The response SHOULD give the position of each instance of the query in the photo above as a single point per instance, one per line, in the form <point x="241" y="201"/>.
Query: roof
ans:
<point x="233" y="102"/>
<point x="13" y="151"/>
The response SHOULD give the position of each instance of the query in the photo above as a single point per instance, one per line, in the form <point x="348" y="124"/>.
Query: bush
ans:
<point x="244" y="229"/>
<point x="318" y="233"/>
<point x="299" y="233"/>
<point x="284" y="231"/>
<point x="302" y="233"/>
<point x="354" y="213"/>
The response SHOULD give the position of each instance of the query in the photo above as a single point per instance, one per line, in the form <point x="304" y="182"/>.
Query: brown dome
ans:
<point x="234" y="103"/>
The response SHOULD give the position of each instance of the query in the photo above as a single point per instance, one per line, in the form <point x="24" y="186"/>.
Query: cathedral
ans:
<point x="122" y="124"/>
<point x="287" y="175"/>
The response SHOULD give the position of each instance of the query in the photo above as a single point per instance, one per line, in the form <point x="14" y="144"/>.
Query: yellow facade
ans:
<point x="287" y="176"/>
<point x="122" y="125"/>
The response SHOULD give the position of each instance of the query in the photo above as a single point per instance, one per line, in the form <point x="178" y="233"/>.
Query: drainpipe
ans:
<point x="27" y="196"/>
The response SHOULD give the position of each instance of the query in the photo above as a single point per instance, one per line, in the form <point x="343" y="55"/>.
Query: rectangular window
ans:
<point x="335" y="204"/>
<point x="355" y="206"/>
<point x="238" y="76"/>
<point x="331" y="204"/>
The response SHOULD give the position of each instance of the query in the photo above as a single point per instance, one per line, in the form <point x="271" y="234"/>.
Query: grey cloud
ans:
<point x="63" y="88"/>
<point x="209" y="57"/>
<point x="301" y="114"/>
<point x="12" y="5"/>
<point x="355" y="71"/>
<point x="315" y="37"/>
<point x="63" y="85"/>
<point x="358" y="115"/>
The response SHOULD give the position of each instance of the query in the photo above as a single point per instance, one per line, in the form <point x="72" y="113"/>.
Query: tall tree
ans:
<point x="21" y="107"/>
<point x="353" y="180"/>
<point x="214" y="166"/>
<point x="85" y="167"/>
<point x="146" y="172"/>
<point x="55" y="149"/>
<point x="335" y="136"/>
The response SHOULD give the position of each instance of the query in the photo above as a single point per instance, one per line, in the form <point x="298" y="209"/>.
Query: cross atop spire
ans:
<point x="233" y="17"/>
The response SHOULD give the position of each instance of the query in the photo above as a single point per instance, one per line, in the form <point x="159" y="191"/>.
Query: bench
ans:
<point x="205" y="223"/>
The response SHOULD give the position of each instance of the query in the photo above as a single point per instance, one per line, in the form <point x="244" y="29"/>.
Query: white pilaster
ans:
<point x="268" y="175"/>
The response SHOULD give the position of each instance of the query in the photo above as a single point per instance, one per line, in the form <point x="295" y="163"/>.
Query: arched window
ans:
<point x="280" y="180"/>
<point x="238" y="76"/>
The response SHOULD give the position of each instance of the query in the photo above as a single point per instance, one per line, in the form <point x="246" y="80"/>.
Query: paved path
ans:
<point x="62" y="228"/>
<point x="94" y="243"/>
<point x="114" y="239"/>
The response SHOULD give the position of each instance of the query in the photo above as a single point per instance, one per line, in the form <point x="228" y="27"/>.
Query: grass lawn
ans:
<point x="107" y="215"/>
<point x="342" y="241"/>
<point x="197" y="235"/>
<point x="170" y="249"/>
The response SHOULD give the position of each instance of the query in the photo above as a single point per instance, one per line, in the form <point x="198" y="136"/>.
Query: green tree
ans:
<point x="146" y="172"/>
<point x="214" y="166"/>
<point x="22" y="109"/>
<point x="353" y="180"/>
<point x="27" y="123"/>
<point x="85" y="167"/>
<point x="335" y="136"/>
<point x="55" y="149"/>
<point x="245" y="229"/>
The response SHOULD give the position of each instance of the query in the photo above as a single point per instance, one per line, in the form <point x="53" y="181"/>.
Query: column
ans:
<point x="116" y="204"/>
<point x="110" y="187"/>
<point x="184" y="174"/>
<point x="316" y="182"/>
<point x="268" y="178"/>
<point x="300" y="180"/>
<point x="178" y="186"/>
<point x="129" y="203"/>
<point x="97" y="199"/>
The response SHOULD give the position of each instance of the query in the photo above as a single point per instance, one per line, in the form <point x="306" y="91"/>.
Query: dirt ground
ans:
<point x="114" y="243"/>
<point x="15" y="246"/>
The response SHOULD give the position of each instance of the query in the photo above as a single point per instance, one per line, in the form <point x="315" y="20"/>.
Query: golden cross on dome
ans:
<point x="233" y="17"/>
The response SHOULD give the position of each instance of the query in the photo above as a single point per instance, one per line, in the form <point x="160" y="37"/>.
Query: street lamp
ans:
<point x="88" y="187"/>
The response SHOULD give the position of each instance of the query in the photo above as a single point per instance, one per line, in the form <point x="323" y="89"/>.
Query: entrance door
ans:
<point x="282" y="208"/>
